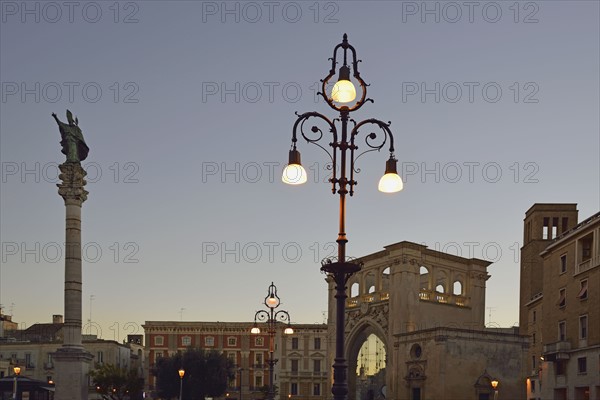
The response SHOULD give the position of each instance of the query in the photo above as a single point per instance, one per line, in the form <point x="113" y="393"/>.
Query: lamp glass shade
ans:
<point x="255" y="330"/>
<point x="294" y="174"/>
<point x="494" y="384"/>
<point x="390" y="183"/>
<point x="343" y="91"/>
<point x="272" y="301"/>
<point x="288" y="331"/>
<point x="181" y="373"/>
<point x="17" y="370"/>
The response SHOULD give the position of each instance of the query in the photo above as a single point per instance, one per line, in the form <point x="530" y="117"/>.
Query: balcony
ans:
<point x="443" y="298"/>
<point x="586" y="265"/>
<point x="557" y="350"/>
<point x="367" y="298"/>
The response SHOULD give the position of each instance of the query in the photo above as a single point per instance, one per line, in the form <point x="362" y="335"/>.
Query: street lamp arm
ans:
<point x="371" y="144"/>
<point x="262" y="316"/>
<point x="282" y="316"/>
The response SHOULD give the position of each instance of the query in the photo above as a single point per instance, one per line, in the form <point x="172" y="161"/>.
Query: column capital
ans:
<point x="71" y="188"/>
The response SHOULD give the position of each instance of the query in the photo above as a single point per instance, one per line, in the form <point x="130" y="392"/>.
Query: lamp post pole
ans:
<point x="17" y="372"/>
<point x="495" y="387"/>
<point x="343" y="160"/>
<point x="271" y="318"/>
<point x="181" y="374"/>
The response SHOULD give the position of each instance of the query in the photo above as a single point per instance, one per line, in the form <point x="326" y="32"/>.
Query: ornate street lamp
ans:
<point x="343" y="100"/>
<point x="271" y="318"/>
<point x="181" y="374"/>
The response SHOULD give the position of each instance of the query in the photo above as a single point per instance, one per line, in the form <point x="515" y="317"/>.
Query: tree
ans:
<point x="206" y="374"/>
<point x="117" y="383"/>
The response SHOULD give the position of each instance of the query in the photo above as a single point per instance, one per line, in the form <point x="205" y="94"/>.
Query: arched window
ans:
<point x="354" y="289"/>
<point x="457" y="288"/>
<point x="385" y="279"/>
<point x="424" y="278"/>
<point x="440" y="288"/>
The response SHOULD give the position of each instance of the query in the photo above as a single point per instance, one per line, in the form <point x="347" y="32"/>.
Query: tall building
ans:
<point x="300" y="372"/>
<point x="560" y="302"/>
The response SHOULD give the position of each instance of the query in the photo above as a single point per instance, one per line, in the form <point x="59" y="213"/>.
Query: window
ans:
<point x="532" y="386"/>
<point x="533" y="338"/>
<point x="533" y="361"/>
<point x="209" y="341"/>
<point x="317" y="389"/>
<point x="545" y="234"/>
<point x="294" y="365"/>
<point x="259" y="341"/>
<point x="583" y="290"/>
<point x="259" y="359"/>
<point x="159" y="340"/>
<point x="583" y="324"/>
<point x="582" y="365"/>
<point x="28" y="360"/>
<point x="295" y="343"/>
<point x="317" y="365"/>
<point x="231" y="341"/>
<point x="232" y="356"/>
<point x="186" y="341"/>
<point x="158" y="354"/>
<point x="100" y="357"/>
<point x="561" y="367"/>
<point x="294" y="388"/>
<point x="562" y="298"/>
<point x="317" y="343"/>
<point x="562" y="331"/>
<point x="534" y="316"/>
<point x="258" y="381"/>
<point x="563" y="263"/>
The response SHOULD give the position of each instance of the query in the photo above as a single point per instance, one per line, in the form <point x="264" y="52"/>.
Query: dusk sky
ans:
<point x="188" y="108"/>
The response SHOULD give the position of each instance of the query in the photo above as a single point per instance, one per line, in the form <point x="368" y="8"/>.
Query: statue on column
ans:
<point x="73" y="144"/>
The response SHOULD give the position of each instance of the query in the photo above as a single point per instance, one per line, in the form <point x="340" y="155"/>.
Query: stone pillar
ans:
<point x="72" y="361"/>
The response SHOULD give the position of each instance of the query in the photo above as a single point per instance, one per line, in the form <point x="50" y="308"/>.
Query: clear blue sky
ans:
<point x="188" y="107"/>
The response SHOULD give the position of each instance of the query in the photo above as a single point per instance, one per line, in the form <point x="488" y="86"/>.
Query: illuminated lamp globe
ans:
<point x="294" y="173"/>
<point x="390" y="182"/>
<point x="343" y="91"/>
<point x="255" y="330"/>
<point x="288" y="331"/>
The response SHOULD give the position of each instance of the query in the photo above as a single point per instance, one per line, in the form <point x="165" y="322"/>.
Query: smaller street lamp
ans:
<point x="17" y="371"/>
<point x="181" y="374"/>
<point x="495" y="387"/>
<point x="271" y="318"/>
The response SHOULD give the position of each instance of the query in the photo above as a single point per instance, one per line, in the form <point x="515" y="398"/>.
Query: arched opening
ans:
<point x="424" y="278"/>
<point x="440" y="288"/>
<point x="367" y="360"/>
<point x="385" y="279"/>
<point x="370" y="282"/>
<point x="457" y="288"/>
<point x="354" y="289"/>
<point x="370" y="370"/>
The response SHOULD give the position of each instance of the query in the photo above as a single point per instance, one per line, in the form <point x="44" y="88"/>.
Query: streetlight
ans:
<point x="17" y="371"/>
<point x="495" y="387"/>
<point x="181" y="373"/>
<point x="341" y="268"/>
<point x="271" y="318"/>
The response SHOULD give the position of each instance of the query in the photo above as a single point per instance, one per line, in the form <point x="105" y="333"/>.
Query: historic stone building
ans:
<point x="560" y="302"/>
<point x="422" y="312"/>
<point x="300" y="372"/>
<point x="33" y="349"/>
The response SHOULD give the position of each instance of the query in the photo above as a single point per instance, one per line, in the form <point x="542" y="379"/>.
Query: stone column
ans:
<point x="72" y="361"/>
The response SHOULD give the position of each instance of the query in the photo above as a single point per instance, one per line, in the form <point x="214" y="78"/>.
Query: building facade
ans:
<point x="560" y="302"/>
<point x="31" y="349"/>
<point x="300" y="371"/>
<point x="415" y="329"/>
